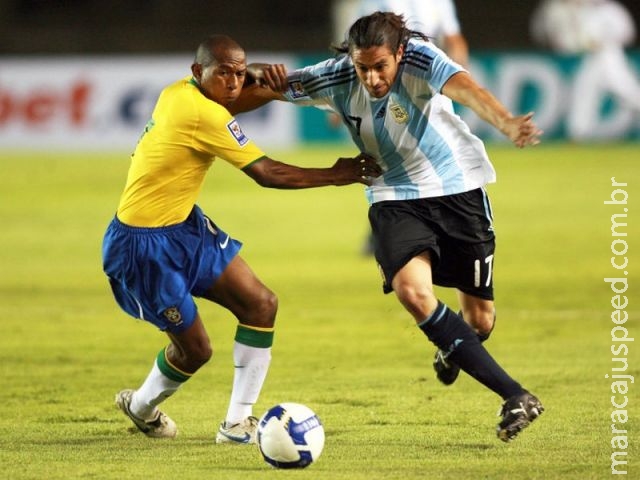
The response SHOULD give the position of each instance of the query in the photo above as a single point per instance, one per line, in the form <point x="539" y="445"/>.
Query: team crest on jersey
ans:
<point x="237" y="132"/>
<point x="173" y="315"/>
<point x="398" y="112"/>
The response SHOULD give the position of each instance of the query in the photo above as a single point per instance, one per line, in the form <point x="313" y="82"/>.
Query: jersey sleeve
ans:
<point x="296" y="92"/>
<point x="219" y="134"/>
<point x="442" y="67"/>
<point x="317" y="84"/>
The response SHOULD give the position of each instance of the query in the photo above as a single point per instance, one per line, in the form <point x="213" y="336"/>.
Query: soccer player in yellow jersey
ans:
<point x="160" y="251"/>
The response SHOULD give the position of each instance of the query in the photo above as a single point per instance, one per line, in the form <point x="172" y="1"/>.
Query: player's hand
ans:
<point x="267" y="75"/>
<point x="360" y="169"/>
<point x="522" y="130"/>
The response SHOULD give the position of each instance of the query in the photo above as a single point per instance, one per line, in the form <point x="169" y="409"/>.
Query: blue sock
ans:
<point x="449" y="332"/>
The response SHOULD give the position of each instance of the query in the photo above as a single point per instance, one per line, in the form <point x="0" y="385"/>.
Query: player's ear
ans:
<point x="400" y="52"/>
<point x="196" y="70"/>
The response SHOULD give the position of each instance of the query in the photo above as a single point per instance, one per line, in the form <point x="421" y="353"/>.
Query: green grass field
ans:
<point x="343" y="348"/>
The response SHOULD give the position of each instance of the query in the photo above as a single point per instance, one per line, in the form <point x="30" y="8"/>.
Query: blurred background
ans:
<point x="160" y="26"/>
<point x="79" y="74"/>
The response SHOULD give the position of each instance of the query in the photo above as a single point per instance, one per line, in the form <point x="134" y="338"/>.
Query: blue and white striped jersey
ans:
<point x="424" y="148"/>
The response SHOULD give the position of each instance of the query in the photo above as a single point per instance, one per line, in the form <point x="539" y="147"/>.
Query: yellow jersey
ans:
<point x="186" y="133"/>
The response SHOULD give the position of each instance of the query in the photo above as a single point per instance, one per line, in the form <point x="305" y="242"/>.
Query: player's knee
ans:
<point x="263" y="310"/>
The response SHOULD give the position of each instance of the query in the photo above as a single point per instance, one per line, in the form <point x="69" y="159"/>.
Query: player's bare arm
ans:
<point x="520" y="129"/>
<point x="274" y="174"/>
<point x="268" y="75"/>
<point x="265" y="82"/>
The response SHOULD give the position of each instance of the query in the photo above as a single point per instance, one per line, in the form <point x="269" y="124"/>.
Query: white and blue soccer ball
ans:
<point x="290" y="435"/>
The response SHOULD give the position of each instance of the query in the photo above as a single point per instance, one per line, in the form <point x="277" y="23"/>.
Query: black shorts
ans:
<point x="456" y="230"/>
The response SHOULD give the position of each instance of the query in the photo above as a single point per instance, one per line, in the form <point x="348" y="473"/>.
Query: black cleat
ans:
<point x="446" y="371"/>
<point x="517" y="413"/>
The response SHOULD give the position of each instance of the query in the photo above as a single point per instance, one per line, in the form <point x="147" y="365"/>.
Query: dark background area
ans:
<point x="162" y="26"/>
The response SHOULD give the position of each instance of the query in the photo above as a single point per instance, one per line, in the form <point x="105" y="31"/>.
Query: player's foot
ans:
<point x="238" y="433"/>
<point x="446" y="370"/>
<point x="161" y="426"/>
<point x="517" y="413"/>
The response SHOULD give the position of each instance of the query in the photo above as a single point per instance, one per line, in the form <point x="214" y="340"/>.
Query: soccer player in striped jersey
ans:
<point x="160" y="251"/>
<point x="430" y="215"/>
<point x="436" y="18"/>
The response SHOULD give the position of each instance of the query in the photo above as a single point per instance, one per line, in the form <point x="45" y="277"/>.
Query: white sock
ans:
<point x="251" y="366"/>
<point x="155" y="389"/>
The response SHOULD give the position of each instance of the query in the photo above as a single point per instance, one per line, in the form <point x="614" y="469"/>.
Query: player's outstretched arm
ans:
<point x="521" y="129"/>
<point x="269" y="75"/>
<point x="265" y="82"/>
<point x="271" y="173"/>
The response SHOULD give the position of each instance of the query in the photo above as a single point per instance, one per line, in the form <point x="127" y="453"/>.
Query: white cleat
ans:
<point x="242" y="433"/>
<point x="161" y="426"/>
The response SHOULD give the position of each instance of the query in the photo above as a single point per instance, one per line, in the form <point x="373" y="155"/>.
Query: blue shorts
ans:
<point x="155" y="272"/>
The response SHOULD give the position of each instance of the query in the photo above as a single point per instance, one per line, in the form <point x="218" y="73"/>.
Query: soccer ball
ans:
<point x="290" y="435"/>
